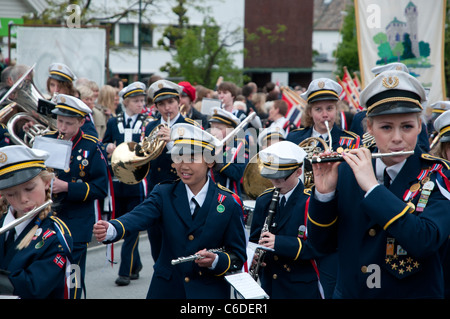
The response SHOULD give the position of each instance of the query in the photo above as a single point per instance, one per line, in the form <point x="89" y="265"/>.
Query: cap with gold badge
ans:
<point x="134" y="89"/>
<point x="388" y="67"/>
<point x="67" y="105"/>
<point x="270" y="135"/>
<point x="190" y="139"/>
<point x="219" y="115"/>
<point x="164" y="89"/>
<point x="281" y="159"/>
<point x="440" y="107"/>
<point x="321" y="90"/>
<point x="61" y="72"/>
<point x="442" y="126"/>
<point x="19" y="164"/>
<point x="393" y="92"/>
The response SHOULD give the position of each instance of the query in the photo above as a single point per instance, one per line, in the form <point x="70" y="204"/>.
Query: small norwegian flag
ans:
<point x="59" y="260"/>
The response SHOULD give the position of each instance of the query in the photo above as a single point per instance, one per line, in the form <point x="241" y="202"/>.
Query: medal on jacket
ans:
<point x="426" y="192"/>
<point x="221" y="207"/>
<point x="397" y="260"/>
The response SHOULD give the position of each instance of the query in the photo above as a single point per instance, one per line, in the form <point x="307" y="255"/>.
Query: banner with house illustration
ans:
<point x="410" y="32"/>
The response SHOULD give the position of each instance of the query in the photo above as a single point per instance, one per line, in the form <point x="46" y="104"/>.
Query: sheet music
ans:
<point x="59" y="151"/>
<point x="246" y="286"/>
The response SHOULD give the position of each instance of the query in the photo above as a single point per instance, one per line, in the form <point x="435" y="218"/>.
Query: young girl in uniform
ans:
<point x="35" y="253"/>
<point x="195" y="215"/>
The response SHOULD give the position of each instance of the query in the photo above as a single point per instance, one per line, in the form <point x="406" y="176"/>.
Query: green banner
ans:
<point x="4" y="26"/>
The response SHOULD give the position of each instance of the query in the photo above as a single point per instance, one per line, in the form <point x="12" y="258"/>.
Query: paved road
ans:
<point x="100" y="276"/>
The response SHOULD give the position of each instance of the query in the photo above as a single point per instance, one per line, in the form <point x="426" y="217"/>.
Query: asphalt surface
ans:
<point x="100" y="276"/>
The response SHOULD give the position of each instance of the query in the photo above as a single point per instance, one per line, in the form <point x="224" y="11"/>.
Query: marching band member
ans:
<point x="269" y="136"/>
<point x="229" y="171"/>
<point x="442" y="149"/>
<point x="195" y="214"/>
<point x="60" y="79"/>
<point x="388" y="217"/>
<point x="359" y="119"/>
<point x="35" y="253"/>
<point x="127" y="127"/>
<point x="76" y="189"/>
<point x="187" y="98"/>
<point x="437" y="109"/>
<point x="322" y="96"/>
<point x="289" y="272"/>
<point x="166" y="97"/>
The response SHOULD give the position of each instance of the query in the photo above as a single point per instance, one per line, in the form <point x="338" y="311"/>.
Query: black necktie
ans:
<point x="129" y="122"/>
<point x="197" y="207"/>
<point x="10" y="240"/>
<point x="386" y="178"/>
<point x="282" y="202"/>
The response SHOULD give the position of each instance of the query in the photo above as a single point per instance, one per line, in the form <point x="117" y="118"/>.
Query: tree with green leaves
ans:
<point x="347" y="51"/>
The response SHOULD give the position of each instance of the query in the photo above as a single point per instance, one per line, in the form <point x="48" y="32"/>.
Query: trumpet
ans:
<point x="193" y="257"/>
<point x="339" y="157"/>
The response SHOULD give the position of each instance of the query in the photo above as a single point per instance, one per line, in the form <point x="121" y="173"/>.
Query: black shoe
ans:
<point x="122" y="281"/>
<point x="135" y="273"/>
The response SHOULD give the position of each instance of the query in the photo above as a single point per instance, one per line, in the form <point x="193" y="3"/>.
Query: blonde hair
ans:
<point x="46" y="177"/>
<point x="307" y="119"/>
<point x="106" y="97"/>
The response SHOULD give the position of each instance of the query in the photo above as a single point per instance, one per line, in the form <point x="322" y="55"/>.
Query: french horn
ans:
<point x="130" y="161"/>
<point x="23" y="108"/>
<point x="253" y="184"/>
<point x="312" y="146"/>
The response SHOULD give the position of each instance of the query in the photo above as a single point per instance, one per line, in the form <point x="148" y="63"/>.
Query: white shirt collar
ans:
<point x="10" y="218"/>
<point x="391" y="170"/>
<point x="200" y="197"/>
<point x="317" y="134"/>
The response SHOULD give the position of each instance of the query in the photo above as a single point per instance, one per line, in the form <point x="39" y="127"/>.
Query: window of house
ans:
<point x="126" y="34"/>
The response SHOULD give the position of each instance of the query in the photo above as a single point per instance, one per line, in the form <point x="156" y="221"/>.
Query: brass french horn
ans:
<point x="312" y="146"/>
<point x="253" y="184"/>
<point x="130" y="161"/>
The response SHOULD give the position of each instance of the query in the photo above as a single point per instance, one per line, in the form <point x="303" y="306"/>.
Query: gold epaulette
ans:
<point x="298" y="129"/>
<point x="191" y="121"/>
<point x="268" y="190"/>
<point x="352" y="134"/>
<point x="61" y="225"/>
<point x="90" y="138"/>
<point x="224" y="188"/>
<point x="433" y="158"/>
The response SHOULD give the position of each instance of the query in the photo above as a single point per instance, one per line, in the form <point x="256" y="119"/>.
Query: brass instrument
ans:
<point x="31" y="214"/>
<point x="268" y="224"/>
<point x="22" y="109"/>
<point x="130" y="161"/>
<point x="253" y="183"/>
<point x="312" y="146"/>
<point x="193" y="257"/>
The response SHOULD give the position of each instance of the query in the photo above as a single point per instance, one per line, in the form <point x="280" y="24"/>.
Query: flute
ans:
<point x="31" y="214"/>
<point x="193" y="257"/>
<point x="340" y="158"/>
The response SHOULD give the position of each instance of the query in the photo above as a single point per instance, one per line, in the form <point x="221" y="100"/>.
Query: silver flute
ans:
<point x="339" y="157"/>
<point x="193" y="257"/>
<point x="31" y="214"/>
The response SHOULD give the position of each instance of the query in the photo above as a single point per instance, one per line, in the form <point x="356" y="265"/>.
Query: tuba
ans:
<point x="253" y="183"/>
<point x="26" y="105"/>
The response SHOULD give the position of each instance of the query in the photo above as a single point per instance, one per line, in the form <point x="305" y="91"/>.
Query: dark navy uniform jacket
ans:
<point x="183" y="236"/>
<point x="88" y="181"/>
<point x="339" y="137"/>
<point x="38" y="271"/>
<point x="289" y="272"/>
<point x="376" y="235"/>
<point x="230" y="172"/>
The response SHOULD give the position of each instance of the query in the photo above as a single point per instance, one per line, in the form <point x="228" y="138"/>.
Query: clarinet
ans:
<point x="254" y="269"/>
<point x="193" y="257"/>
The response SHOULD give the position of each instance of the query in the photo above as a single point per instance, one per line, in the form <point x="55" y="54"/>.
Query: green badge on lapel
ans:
<point x="220" y="208"/>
